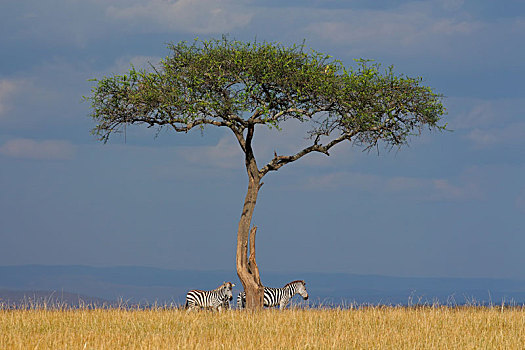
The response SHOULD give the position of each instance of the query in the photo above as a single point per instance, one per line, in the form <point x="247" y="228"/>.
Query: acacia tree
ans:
<point x="236" y="85"/>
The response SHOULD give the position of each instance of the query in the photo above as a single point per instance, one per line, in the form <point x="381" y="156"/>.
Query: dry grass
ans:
<point x="364" y="328"/>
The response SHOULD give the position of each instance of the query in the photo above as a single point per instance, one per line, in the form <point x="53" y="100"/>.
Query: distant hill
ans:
<point x="144" y="285"/>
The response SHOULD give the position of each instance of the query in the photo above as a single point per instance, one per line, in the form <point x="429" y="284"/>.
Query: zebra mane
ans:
<point x="294" y="282"/>
<point x="225" y="285"/>
<point x="220" y="287"/>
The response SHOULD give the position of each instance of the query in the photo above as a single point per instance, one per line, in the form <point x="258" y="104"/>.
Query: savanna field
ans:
<point x="355" y="328"/>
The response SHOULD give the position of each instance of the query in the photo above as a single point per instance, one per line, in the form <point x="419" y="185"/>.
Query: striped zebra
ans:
<point x="217" y="299"/>
<point x="277" y="296"/>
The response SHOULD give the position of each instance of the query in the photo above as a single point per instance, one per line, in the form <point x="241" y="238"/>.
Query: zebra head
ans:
<point x="300" y="288"/>
<point x="227" y="288"/>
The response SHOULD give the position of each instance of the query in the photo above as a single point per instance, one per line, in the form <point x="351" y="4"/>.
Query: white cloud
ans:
<point x="8" y="88"/>
<point x="367" y="182"/>
<point x="419" y="188"/>
<point x="442" y="189"/>
<point x="511" y="134"/>
<point x="452" y="5"/>
<point x="226" y="154"/>
<point x="43" y="150"/>
<point x="196" y="16"/>
<point x="410" y="28"/>
<point x="453" y="27"/>
<point x="46" y="94"/>
<point x="475" y="113"/>
<point x="486" y="122"/>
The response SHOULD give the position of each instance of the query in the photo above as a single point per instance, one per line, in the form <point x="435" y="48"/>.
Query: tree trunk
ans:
<point x="247" y="269"/>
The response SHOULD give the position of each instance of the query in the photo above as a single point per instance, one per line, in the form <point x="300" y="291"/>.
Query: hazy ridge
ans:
<point x="133" y="285"/>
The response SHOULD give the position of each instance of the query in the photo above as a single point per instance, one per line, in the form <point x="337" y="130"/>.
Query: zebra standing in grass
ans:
<point x="217" y="299"/>
<point x="277" y="296"/>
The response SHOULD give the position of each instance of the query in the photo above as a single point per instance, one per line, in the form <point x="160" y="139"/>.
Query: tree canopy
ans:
<point x="235" y="84"/>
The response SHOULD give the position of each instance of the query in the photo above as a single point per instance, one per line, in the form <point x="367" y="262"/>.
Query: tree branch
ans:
<point x="251" y="164"/>
<point x="238" y="135"/>
<point x="195" y="123"/>
<point x="278" y="161"/>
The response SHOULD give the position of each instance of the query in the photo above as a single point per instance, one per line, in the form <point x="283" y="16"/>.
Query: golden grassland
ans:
<point x="358" y="328"/>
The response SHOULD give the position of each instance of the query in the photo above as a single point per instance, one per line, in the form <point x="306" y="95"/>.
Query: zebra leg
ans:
<point x="191" y="307"/>
<point x="225" y="305"/>
<point x="241" y="301"/>
<point x="283" y="303"/>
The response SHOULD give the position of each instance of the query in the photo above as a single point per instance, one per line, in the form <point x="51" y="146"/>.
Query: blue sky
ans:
<point x="451" y="204"/>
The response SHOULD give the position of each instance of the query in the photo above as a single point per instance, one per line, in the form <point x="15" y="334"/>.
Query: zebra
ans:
<point x="217" y="299"/>
<point x="277" y="296"/>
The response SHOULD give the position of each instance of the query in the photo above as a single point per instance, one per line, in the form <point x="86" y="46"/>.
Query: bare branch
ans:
<point x="278" y="161"/>
<point x="255" y="115"/>
<point x="239" y="136"/>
